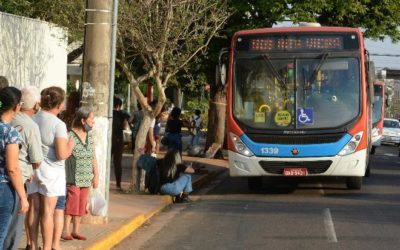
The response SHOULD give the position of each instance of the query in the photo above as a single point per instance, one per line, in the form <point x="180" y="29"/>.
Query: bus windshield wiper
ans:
<point x="267" y="60"/>
<point x="321" y="62"/>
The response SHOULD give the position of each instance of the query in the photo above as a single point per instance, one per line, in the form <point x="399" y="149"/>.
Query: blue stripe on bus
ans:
<point x="309" y="150"/>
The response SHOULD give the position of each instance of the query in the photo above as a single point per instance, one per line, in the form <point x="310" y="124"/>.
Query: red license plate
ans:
<point x="295" y="172"/>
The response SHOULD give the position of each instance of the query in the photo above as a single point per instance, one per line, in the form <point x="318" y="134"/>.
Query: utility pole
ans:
<point x="98" y="82"/>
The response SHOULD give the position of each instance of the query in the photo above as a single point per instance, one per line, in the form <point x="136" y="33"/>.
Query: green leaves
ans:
<point x="68" y="14"/>
<point x="377" y="18"/>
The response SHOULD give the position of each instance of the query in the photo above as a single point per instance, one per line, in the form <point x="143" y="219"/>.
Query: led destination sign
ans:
<point x="298" y="42"/>
<point x="268" y="44"/>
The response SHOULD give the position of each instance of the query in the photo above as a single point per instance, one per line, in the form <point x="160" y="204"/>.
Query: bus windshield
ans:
<point x="378" y="101"/>
<point x="296" y="93"/>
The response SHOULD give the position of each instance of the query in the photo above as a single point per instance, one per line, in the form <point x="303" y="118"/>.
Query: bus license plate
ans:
<point x="295" y="172"/>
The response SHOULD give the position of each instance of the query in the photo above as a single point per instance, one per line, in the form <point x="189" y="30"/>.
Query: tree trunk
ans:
<point x="216" y="119"/>
<point x="137" y="182"/>
<point x="134" y="100"/>
<point x="177" y="97"/>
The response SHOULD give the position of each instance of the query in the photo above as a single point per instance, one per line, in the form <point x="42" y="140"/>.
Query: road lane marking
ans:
<point x="388" y="154"/>
<point x="329" y="227"/>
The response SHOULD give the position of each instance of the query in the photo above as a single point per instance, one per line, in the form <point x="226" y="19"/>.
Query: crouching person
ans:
<point x="175" y="178"/>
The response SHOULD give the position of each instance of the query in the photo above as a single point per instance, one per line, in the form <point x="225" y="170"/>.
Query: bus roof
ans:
<point x="298" y="29"/>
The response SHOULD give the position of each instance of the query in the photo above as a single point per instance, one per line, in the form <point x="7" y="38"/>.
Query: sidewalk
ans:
<point x="127" y="212"/>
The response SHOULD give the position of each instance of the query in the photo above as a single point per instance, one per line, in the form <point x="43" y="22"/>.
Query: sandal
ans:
<point x="68" y="237"/>
<point x="79" y="237"/>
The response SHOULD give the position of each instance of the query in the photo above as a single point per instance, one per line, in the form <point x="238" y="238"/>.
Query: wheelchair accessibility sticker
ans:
<point x="305" y="116"/>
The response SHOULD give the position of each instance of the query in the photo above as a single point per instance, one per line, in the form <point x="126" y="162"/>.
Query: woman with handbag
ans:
<point x="81" y="172"/>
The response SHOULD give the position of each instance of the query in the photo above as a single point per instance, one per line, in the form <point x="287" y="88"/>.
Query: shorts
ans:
<point x="48" y="181"/>
<point x="60" y="203"/>
<point x="76" y="200"/>
<point x="32" y="186"/>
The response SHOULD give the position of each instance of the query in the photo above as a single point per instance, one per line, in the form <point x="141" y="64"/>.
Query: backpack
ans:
<point x="152" y="177"/>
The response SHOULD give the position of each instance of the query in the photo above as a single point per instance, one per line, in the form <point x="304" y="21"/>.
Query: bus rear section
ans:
<point x="298" y="104"/>
<point x="378" y="114"/>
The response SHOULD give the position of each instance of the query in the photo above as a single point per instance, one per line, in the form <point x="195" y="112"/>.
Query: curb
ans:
<point x="114" y="238"/>
<point x="125" y="230"/>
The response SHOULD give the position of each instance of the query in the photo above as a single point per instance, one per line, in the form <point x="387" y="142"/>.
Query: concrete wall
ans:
<point x="32" y="52"/>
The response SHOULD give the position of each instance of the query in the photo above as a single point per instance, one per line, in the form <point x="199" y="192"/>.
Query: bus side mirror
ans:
<point x="222" y="70"/>
<point x="371" y="78"/>
<point x="371" y="72"/>
<point x="223" y="74"/>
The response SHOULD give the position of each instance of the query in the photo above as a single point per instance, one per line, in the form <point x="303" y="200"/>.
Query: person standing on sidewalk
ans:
<point x="120" y="123"/>
<point x="30" y="157"/>
<point x="67" y="116"/>
<point x="135" y="121"/>
<point x="174" y="130"/>
<point x="83" y="176"/>
<point x="151" y="144"/>
<point x="175" y="177"/>
<point x="196" y="126"/>
<point x="11" y="183"/>
<point x="56" y="147"/>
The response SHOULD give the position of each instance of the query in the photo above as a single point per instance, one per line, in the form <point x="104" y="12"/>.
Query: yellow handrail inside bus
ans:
<point x="264" y="106"/>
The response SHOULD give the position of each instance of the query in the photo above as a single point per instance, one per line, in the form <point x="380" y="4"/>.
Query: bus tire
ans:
<point x="373" y="150"/>
<point x="354" y="182"/>
<point x="254" y="183"/>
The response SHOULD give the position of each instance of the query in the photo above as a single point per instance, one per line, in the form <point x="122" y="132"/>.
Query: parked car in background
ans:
<point x="391" y="131"/>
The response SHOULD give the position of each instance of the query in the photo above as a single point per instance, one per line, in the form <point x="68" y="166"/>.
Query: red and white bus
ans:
<point x="378" y="114"/>
<point x="299" y="104"/>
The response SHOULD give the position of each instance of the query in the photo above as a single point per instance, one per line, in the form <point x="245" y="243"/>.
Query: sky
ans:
<point x="385" y="47"/>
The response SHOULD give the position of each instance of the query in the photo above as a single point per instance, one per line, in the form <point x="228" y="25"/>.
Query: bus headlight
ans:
<point x="352" y="145"/>
<point x="241" y="148"/>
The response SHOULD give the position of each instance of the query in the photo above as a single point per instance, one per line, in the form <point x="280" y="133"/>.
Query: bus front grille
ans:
<point x="295" y="139"/>
<point x="313" y="167"/>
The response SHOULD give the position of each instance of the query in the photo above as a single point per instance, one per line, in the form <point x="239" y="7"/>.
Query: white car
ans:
<point x="391" y="131"/>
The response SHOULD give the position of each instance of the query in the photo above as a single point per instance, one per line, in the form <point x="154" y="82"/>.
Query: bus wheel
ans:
<point x="354" y="182"/>
<point x="373" y="150"/>
<point x="254" y="183"/>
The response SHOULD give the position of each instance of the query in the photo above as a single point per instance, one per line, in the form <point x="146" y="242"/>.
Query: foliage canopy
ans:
<point x="68" y="14"/>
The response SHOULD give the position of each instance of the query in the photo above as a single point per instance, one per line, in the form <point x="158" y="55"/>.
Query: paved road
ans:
<point x="310" y="214"/>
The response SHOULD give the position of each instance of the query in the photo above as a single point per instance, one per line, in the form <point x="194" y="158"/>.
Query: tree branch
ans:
<point x="75" y="54"/>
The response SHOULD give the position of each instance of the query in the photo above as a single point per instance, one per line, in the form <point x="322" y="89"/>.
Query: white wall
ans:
<point x="32" y="52"/>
